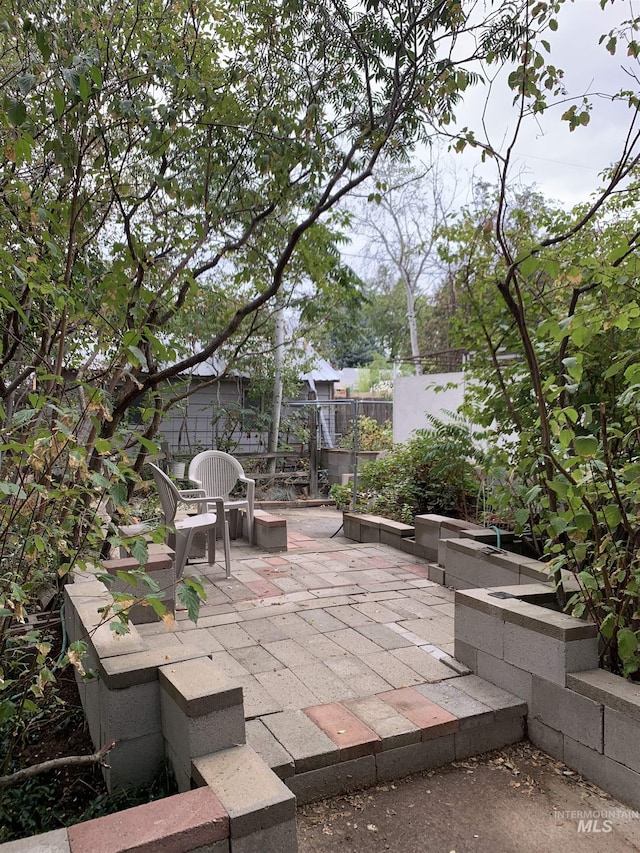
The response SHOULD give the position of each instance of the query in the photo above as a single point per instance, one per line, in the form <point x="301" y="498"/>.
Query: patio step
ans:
<point x="328" y="750"/>
<point x="261" y="809"/>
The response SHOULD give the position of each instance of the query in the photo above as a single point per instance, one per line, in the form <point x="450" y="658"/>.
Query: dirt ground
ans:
<point x="516" y="800"/>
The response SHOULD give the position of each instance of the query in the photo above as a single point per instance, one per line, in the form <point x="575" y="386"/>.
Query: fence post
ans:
<point x="313" y="452"/>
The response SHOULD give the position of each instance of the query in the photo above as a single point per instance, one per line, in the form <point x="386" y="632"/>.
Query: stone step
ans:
<point x="261" y="808"/>
<point x="328" y="750"/>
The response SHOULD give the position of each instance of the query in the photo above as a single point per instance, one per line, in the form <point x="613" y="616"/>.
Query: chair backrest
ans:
<point x="216" y="472"/>
<point x="168" y="493"/>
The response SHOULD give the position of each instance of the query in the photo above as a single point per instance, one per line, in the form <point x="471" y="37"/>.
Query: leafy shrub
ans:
<point x="432" y="472"/>
<point x="371" y="435"/>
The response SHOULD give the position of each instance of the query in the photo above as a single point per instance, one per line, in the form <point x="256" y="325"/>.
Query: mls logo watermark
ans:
<point x="590" y="821"/>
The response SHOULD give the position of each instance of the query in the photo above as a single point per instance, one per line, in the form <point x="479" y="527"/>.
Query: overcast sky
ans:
<point x="565" y="165"/>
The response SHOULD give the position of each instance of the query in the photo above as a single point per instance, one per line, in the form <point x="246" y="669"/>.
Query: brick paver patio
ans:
<point x="327" y="621"/>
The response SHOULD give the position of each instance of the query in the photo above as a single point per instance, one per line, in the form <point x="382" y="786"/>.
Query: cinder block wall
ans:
<point x="577" y="712"/>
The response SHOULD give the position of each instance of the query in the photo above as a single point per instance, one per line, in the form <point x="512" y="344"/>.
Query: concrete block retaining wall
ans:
<point x="580" y="714"/>
<point x="462" y="553"/>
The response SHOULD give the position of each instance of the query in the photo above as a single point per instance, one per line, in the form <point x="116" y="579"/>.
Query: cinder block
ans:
<point x="396" y="527"/>
<point x="282" y="837"/>
<point x="480" y="630"/>
<point x="545" y="738"/>
<point x="467" y="560"/>
<point x="332" y="781"/>
<point x="610" y="690"/>
<point x="428" y="533"/>
<point x="615" y="778"/>
<point x="405" y="760"/>
<point x="309" y="747"/>
<point x="466" y="653"/>
<point x="106" y="643"/>
<point x="48" y="842"/>
<point x="194" y="820"/>
<point x="202" y="712"/>
<point x="198" y="687"/>
<point x="159" y="567"/>
<point x="271" y="751"/>
<point x="568" y="712"/>
<point x="129" y="713"/>
<point x="505" y="675"/>
<point x="409" y="546"/>
<point x="351" y="526"/>
<point x="134" y="762"/>
<point x="253" y="796"/>
<point x="488" y="536"/>
<point x="546" y="656"/>
<point x="622" y="738"/>
<point x="485" y="738"/>
<point x="126" y="670"/>
<point x="270" y="532"/>
<point x="369" y="528"/>
<point x="437" y="574"/>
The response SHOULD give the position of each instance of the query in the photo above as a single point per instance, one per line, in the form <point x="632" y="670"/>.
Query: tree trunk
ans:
<point x="276" y="399"/>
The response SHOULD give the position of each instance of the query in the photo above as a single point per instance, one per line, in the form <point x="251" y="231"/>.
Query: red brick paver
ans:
<point x="347" y="731"/>
<point x="183" y="822"/>
<point x="431" y="718"/>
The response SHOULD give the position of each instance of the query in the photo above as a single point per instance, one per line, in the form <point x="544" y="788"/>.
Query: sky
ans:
<point x="565" y="165"/>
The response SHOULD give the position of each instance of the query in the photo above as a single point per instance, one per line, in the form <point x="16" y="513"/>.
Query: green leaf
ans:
<point x="189" y="599"/>
<point x="12" y="489"/>
<point x="627" y="643"/>
<point x="607" y="625"/>
<point x="612" y="516"/>
<point x="140" y="551"/>
<point x="583" y="521"/>
<point x="7" y="710"/>
<point x="586" y="445"/>
<point x="587" y="580"/>
<point x="84" y="89"/>
<point x="127" y="577"/>
<point x="26" y="82"/>
<point x="59" y="103"/>
<point x="17" y="113"/>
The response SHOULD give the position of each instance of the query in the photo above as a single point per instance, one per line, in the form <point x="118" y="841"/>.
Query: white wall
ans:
<point x="413" y="396"/>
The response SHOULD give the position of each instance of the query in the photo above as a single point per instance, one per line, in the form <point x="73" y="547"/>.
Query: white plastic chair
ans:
<point x="218" y="473"/>
<point x="185" y="528"/>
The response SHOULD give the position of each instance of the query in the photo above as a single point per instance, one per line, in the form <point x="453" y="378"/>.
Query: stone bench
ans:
<point x="269" y="531"/>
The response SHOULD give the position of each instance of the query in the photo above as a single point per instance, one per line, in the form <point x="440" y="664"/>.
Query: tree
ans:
<point x="557" y="291"/>
<point x="399" y="224"/>
<point x="154" y="153"/>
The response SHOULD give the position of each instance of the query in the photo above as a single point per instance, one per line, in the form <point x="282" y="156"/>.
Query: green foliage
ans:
<point x="65" y="796"/>
<point x="342" y="494"/>
<point x="560" y="350"/>
<point x="434" y="472"/>
<point x="371" y="435"/>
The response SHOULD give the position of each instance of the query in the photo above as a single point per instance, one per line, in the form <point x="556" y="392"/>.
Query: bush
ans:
<point x="371" y="435"/>
<point x="432" y="472"/>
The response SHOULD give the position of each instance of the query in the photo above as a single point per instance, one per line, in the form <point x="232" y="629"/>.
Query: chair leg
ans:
<point x="250" y="524"/>
<point x="227" y="547"/>
<point x="211" y="545"/>
<point x="183" y="541"/>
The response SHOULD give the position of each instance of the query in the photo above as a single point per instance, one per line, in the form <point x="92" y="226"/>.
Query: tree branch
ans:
<point x="55" y="764"/>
